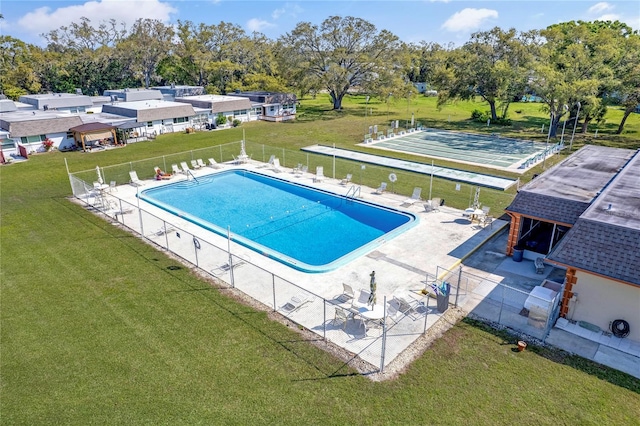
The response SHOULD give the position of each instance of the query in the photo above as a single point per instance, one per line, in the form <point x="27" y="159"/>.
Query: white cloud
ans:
<point x="600" y="7"/>
<point x="609" y="17"/>
<point x="277" y="13"/>
<point x="45" y="19"/>
<point x="258" y="25"/>
<point x="289" y="9"/>
<point x="469" y="19"/>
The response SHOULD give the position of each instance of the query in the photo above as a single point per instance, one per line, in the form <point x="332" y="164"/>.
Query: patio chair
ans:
<point x="428" y="207"/>
<point x="347" y="293"/>
<point x="393" y="311"/>
<point x="381" y="188"/>
<point x="201" y="163"/>
<point x="347" y="179"/>
<point x="539" y="264"/>
<point x="175" y="169"/>
<point x="135" y="181"/>
<point x="415" y="197"/>
<point x="195" y="164"/>
<point x="297" y="302"/>
<point x="487" y="220"/>
<point x="275" y="166"/>
<point x="341" y="316"/>
<point x="362" y="300"/>
<point x="435" y="204"/>
<point x="319" y="177"/>
<point x="213" y="163"/>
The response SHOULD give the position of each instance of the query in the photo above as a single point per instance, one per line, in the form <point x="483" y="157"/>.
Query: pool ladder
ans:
<point x="353" y="193"/>
<point x="192" y="175"/>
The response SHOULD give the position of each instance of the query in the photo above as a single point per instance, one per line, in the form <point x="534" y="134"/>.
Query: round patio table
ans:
<point x="375" y="313"/>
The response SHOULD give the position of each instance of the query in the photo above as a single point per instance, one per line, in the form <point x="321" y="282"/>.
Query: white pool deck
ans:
<point x="440" y="239"/>
<point x="443" y="238"/>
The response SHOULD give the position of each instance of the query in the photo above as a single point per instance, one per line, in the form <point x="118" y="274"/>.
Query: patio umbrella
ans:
<point x="100" y="180"/>
<point x="372" y="286"/>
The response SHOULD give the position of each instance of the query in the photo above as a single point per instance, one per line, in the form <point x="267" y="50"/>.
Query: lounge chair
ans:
<point x="381" y="188"/>
<point x="201" y="163"/>
<point x="276" y="165"/>
<point x="435" y="204"/>
<point x="539" y="264"/>
<point x="319" y="177"/>
<point x="268" y="163"/>
<point x="407" y="308"/>
<point x="297" y="302"/>
<point x="302" y="170"/>
<point x="347" y="293"/>
<point x="135" y="181"/>
<point x="346" y="180"/>
<point x="160" y="174"/>
<point x="195" y="164"/>
<point x="224" y="268"/>
<point x="185" y="167"/>
<point x="213" y="163"/>
<point x="176" y="170"/>
<point x="415" y="197"/>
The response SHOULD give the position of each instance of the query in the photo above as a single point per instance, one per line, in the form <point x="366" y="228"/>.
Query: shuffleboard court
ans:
<point x="442" y="172"/>
<point x="493" y="151"/>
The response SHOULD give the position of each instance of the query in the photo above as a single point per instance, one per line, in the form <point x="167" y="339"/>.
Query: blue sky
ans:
<point x="441" y="21"/>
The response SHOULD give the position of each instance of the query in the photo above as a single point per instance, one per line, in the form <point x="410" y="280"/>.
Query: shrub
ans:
<point x="221" y="120"/>
<point x="236" y="123"/>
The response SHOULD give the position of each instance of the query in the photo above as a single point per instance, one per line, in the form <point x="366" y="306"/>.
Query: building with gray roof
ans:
<point x="584" y="215"/>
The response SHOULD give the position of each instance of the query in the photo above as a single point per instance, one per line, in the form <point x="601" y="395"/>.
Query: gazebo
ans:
<point x="91" y="135"/>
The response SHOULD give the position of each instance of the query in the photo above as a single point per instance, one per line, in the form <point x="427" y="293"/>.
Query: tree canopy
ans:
<point x="595" y="64"/>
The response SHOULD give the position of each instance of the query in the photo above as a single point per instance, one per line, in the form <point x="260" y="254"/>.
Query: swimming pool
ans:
<point x="308" y="229"/>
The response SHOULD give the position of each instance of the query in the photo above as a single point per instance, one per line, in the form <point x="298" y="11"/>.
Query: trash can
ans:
<point x="442" y="297"/>
<point x="518" y="254"/>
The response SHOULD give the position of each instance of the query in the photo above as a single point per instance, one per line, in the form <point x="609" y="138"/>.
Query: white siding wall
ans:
<point x="601" y="301"/>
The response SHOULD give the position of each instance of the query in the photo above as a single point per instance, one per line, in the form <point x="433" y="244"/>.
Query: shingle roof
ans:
<point x="552" y="209"/>
<point x="40" y="126"/>
<point x="602" y="248"/>
<point x="606" y="238"/>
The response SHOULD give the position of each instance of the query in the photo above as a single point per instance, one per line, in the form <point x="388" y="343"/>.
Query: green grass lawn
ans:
<point x="98" y="327"/>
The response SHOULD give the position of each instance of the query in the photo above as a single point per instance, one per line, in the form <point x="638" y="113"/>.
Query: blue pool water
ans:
<point x="308" y="229"/>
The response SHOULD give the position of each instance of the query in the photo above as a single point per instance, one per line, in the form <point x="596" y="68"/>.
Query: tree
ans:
<point x="575" y="65"/>
<point x="341" y="54"/>
<point x="18" y="60"/>
<point x="148" y="42"/>
<point x="628" y="73"/>
<point x="492" y="65"/>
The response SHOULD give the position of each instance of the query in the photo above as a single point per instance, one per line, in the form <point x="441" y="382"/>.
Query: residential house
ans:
<point x="271" y="106"/>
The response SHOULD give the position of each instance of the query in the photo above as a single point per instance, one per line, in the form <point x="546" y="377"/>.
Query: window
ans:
<point x="240" y="112"/>
<point x="33" y="139"/>
<point x="149" y="123"/>
<point x="7" y="144"/>
<point x="180" y="120"/>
